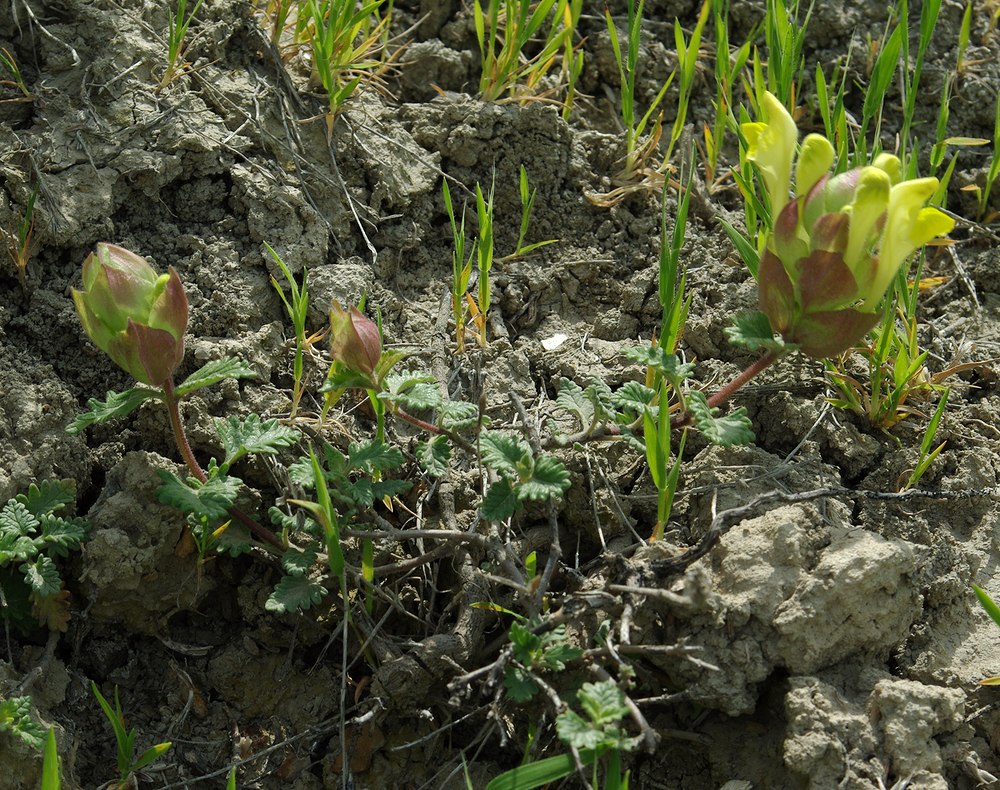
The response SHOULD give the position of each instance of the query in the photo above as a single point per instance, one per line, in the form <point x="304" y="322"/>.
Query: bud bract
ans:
<point x="136" y="317"/>
<point x="837" y="241"/>
<point x="354" y="340"/>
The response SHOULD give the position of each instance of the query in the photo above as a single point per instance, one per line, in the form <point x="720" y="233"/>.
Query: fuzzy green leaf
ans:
<point x="593" y="404"/>
<point x="500" y="501"/>
<point x="456" y="415"/>
<point x="213" y="372"/>
<point x="253" y="436"/>
<point x="753" y="331"/>
<point x="16" y="519"/>
<point x="295" y="594"/>
<point x="505" y="454"/>
<point x="556" y="657"/>
<point x="541" y="773"/>
<point x="549" y="478"/>
<point x="667" y="365"/>
<point x="15" y="547"/>
<point x="633" y="398"/>
<point x="211" y="500"/>
<point x="234" y="541"/>
<point x="42" y="576"/>
<point x="297" y="562"/>
<point x="420" y="397"/>
<point x="374" y="456"/>
<point x="576" y="731"/>
<point x="725" y="430"/>
<point x="62" y="535"/>
<point x="519" y="684"/>
<point x="49" y="497"/>
<point x="434" y="455"/>
<point x="389" y="488"/>
<point x="116" y="404"/>
<point x="603" y="701"/>
<point x="15" y="717"/>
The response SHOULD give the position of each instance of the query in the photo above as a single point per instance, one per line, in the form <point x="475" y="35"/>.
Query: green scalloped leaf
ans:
<point x="116" y="404"/>
<point x="49" y="497"/>
<point x="16" y="519"/>
<point x="434" y="455"/>
<point x="505" y="454"/>
<point x="500" y="501"/>
<point x="753" y="331"/>
<point x="211" y="500"/>
<point x="61" y="535"/>
<point x="373" y="456"/>
<point x="253" y="436"/>
<point x="549" y="479"/>
<point x="295" y="594"/>
<point x="213" y="372"/>
<point x="42" y="576"/>
<point x="725" y="430"/>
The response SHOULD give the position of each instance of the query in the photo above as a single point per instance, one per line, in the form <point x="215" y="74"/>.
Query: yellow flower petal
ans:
<point x="772" y="149"/>
<point x="814" y="162"/>
<point x="908" y="226"/>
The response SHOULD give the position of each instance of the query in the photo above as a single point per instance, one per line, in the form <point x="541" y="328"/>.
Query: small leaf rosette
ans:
<point x="136" y="317"/>
<point x="354" y="340"/>
<point x="838" y="243"/>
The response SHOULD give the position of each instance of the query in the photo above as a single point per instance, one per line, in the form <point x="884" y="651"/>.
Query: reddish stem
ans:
<point x="180" y="436"/>
<point x="724" y="394"/>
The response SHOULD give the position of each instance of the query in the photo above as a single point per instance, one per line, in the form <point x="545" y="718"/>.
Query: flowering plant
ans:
<point x="136" y="317"/>
<point x="837" y="245"/>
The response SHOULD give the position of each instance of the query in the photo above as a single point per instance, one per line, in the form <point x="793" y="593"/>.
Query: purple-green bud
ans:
<point x="136" y="317"/>
<point x="354" y="340"/>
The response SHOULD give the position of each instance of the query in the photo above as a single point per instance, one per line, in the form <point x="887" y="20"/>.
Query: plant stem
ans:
<point x="180" y="436"/>
<point x="724" y="394"/>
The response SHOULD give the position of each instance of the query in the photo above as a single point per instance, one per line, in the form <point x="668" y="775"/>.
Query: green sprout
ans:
<point x="461" y="269"/>
<point x="527" y="195"/>
<point x="297" y="308"/>
<point x="727" y="66"/>
<point x="484" y="262"/>
<point x="179" y="22"/>
<point x="50" y="763"/>
<point x="785" y="34"/>
<point x="9" y="64"/>
<point x="983" y="193"/>
<point x="636" y="155"/>
<point x="911" y="78"/>
<point x="344" y="38"/>
<point x="927" y="451"/>
<point x="128" y="763"/>
<point x="993" y="611"/>
<point x="20" y="246"/>
<point x="687" y="62"/>
<point x="506" y="66"/>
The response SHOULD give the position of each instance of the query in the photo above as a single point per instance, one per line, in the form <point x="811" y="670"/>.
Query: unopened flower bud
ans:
<point x="136" y="317"/>
<point x="354" y="340"/>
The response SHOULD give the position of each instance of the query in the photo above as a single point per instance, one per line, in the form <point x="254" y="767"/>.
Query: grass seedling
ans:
<point x="882" y="72"/>
<point x="461" y="269"/>
<point x="785" y="35"/>
<point x="484" y="260"/>
<point x="19" y="244"/>
<point x="727" y="66"/>
<point x="983" y="193"/>
<point x="994" y="612"/>
<point x="297" y="309"/>
<point x="572" y="59"/>
<point x="527" y="195"/>
<point x="628" y="69"/>
<point x="687" y="62"/>
<point x="50" y="764"/>
<point x="278" y="13"/>
<point x="506" y="66"/>
<point x="179" y="22"/>
<point x="9" y="64"/>
<point x="910" y="80"/>
<point x="834" y="113"/>
<point x="128" y="763"/>
<point x="927" y="451"/>
<point x="344" y="38"/>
